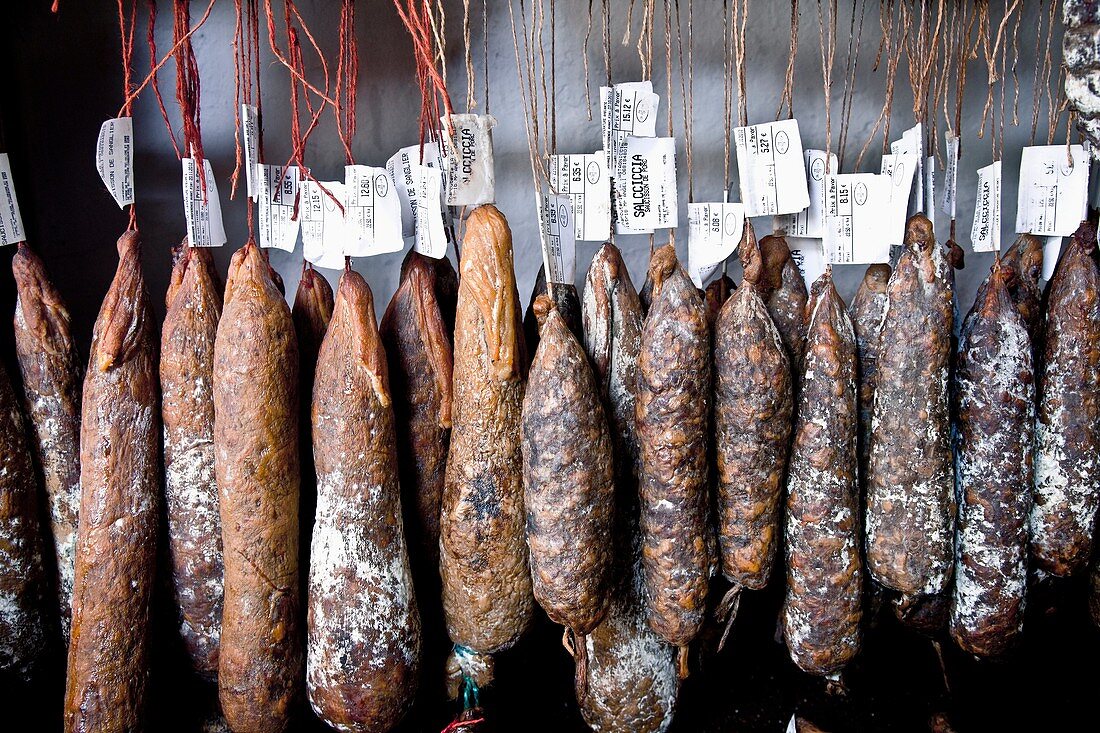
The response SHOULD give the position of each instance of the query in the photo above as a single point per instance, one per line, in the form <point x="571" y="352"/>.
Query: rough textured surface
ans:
<point x="256" y="457"/>
<point x="190" y="486"/>
<point x="569" y="308"/>
<point x="568" y="478"/>
<point x="1081" y="58"/>
<point x="363" y="648"/>
<point x="1023" y="267"/>
<point x="716" y="295"/>
<point x="51" y="371"/>
<point x="867" y="311"/>
<point x="753" y="405"/>
<point x="673" y="394"/>
<point x="996" y="391"/>
<point x="822" y="609"/>
<point x="117" y="540"/>
<point x="910" y="482"/>
<point x="631" y="681"/>
<point x="1067" y="436"/>
<point x="783" y="289"/>
<point x="483" y="554"/>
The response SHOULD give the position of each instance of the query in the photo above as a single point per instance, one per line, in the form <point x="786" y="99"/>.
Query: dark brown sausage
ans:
<point x="911" y="481"/>
<point x="784" y="290"/>
<point x="256" y="458"/>
<point x="446" y="283"/>
<point x="996" y="393"/>
<point x="363" y="646"/>
<point x="1023" y="265"/>
<point x="822" y="609"/>
<point x="673" y="411"/>
<point x="1067" y="447"/>
<point x="119" y="481"/>
<point x="716" y="295"/>
<point x="483" y="553"/>
<point x="569" y="308"/>
<point x="867" y="311"/>
<point x="51" y="370"/>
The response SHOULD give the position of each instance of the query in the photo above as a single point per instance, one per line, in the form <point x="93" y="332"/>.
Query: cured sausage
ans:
<point x="822" y="608"/>
<point x="190" y="488"/>
<point x="487" y="596"/>
<point x="256" y="461"/>
<point x="1023" y="266"/>
<point x="672" y="411"/>
<point x="996" y="391"/>
<point x="784" y="291"/>
<point x="363" y="648"/>
<point x="716" y="295"/>
<point x="117" y="539"/>
<point x="631" y="682"/>
<point x="867" y="311"/>
<point x="568" y="480"/>
<point x="910" y="482"/>
<point x="51" y="370"/>
<point x="567" y="301"/>
<point x="1067" y="447"/>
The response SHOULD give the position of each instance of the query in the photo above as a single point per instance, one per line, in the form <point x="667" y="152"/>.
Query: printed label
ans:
<point x="114" y="159"/>
<point x="470" y="175"/>
<point x="277" y="191"/>
<point x="559" y="243"/>
<point x="651" y="192"/>
<point x="771" y="169"/>
<point x="1053" y="193"/>
<point x="202" y="209"/>
<point x="250" y="131"/>
<point x="810" y="221"/>
<point x="714" y="231"/>
<point x="859" y="218"/>
<point x="985" y="235"/>
<point x="372" y="211"/>
<point x="912" y="143"/>
<point x="400" y="168"/>
<point x="11" y="223"/>
<point x="951" y="176"/>
<point x="429" y="225"/>
<point x="626" y="110"/>
<point x="900" y="168"/>
<point x="930" y="186"/>
<point x="324" y="233"/>
<point x="585" y="179"/>
<point x="809" y="257"/>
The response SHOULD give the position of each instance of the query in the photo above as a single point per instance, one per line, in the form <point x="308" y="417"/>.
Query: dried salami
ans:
<point x="867" y="311"/>
<point x="715" y="296"/>
<point x="117" y="539"/>
<point x="784" y="291"/>
<point x="565" y="298"/>
<point x="822" y="608"/>
<point x="1023" y="266"/>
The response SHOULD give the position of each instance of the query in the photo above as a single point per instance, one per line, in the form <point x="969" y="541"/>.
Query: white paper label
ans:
<point x="114" y="158"/>
<point x="771" y="169"/>
<point x="912" y="143"/>
<point x="559" y="243"/>
<point x="431" y="233"/>
<point x="276" y="193"/>
<point x="202" y="210"/>
<point x="930" y="186"/>
<point x="714" y="231"/>
<point x="810" y="221"/>
<point x="626" y="110"/>
<point x="792" y="727"/>
<point x="586" y="180"/>
<point x="11" y="223"/>
<point x="470" y="176"/>
<point x="1053" y="194"/>
<point x="809" y="256"/>
<point x="250" y="132"/>
<point x="986" y="232"/>
<point x="372" y="211"/>
<point x="651" y="192"/>
<point x="324" y="233"/>
<point x="1052" y="248"/>
<point x="900" y="168"/>
<point x="951" y="176"/>
<point x="859" y="218"/>
<point x="400" y="168"/>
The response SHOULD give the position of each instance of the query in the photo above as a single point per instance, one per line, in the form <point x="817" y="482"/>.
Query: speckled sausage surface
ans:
<point x="1023" y="266"/>
<point x="117" y="540"/>
<point x="784" y="291"/>
<point x="673" y="411"/>
<point x="911" y="480"/>
<point x="483" y="551"/>
<point x="52" y="374"/>
<point x="867" y="311"/>
<point x="256" y="458"/>
<point x="1067" y="447"/>
<point x="363" y="647"/>
<point x="996" y="393"/>
<point x="822" y="608"/>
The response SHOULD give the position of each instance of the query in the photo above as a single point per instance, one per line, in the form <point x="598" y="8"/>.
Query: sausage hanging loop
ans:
<point x="727" y="610"/>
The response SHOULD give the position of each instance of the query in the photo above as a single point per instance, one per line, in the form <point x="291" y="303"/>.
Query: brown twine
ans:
<point x="687" y="93"/>
<point x="851" y="66"/>
<point x="471" y="102"/>
<point x="127" y="22"/>
<point x="893" y="44"/>
<point x="485" y="50"/>
<point x="827" y="39"/>
<point x="727" y="89"/>
<point x="742" y="9"/>
<point x="787" y="97"/>
<point x="584" y="58"/>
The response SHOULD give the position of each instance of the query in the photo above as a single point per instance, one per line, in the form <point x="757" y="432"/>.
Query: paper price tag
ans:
<point x="250" y="132"/>
<point x="114" y="159"/>
<point x="951" y="176"/>
<point x="203" y="211"/>
<point x="429" y="225"/>
<point x="809" y="256"/>
<point x="470" y="176"/>
<point x="810" y="221"/>
<point x="324" y="233"/>
<point x="586" y="180"/>
<point x="651" y="193"/>
<point x="1052" y="248"/>
<point x="985" y="234"/>
<point x="912" y="143"/>
<point x="900" y="169"/>
<point x="400" y="168"/>
<point x="859" y="218"/>
<point x="626" y="110"/>
<point x="1053" y="194"/>
<point x="11" y="223"/>
<point x="559" y="242"/>
<point x="930" y="186"/>
<point x="277" y="190"/>
<point x="714" y="231"/>
<point x="771" y="169"/>
<point x="372" y="211"/>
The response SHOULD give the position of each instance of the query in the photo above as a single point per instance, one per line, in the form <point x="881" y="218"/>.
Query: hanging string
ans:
<point x="993" y="46"/>
<point x="418" y="18"/>
<point x="741" y="10"/>
<point x="188" y="87"/>
<point x="851" y="66"/>
<point x="246" y="60"/>
<point x="787" y="98"/>
<point x="584" y="58"/>
<point x="727" y="89"/>
<point x="347" y="74"/>
<point x="605" y="6"/>
<point x="127" y="22"/>
<point x="468" y="53"/>
<point x="485" y="50"/>
<point x="687" y="94"/>
<point x="891" y="48"/>
<point x="827" y="38"/>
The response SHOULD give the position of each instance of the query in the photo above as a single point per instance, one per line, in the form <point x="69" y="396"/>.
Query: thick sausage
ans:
<point x="483" y="553"/>
<point x="51" y="371"/>
<point x="363" y="649"/>
<point x="631" y="683"/>
<point x="673" y="410"/>
<point x="867" y="311"/>
<point x="1067" y="447"/>
<point x="190" y="487"/>
<point x="119" y="483"/>
<point x="996" y="392"/>
<point x="822" y="608"/>
<point x="784" y="290"/>
<point x="1023" y="266"/>
<point x="716" y="295"/>
<point x="256" y="461"/>
<point x="569" y="308"/>
<point x="910" y="482"/>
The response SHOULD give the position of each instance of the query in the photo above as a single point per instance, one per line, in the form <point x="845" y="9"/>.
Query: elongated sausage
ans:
<point x="256" y="460"/>
<point x="483" y="553"/>
<point x="822" y="608"/>
<point x="784" y="290"/>
<point x="910" y="482"/>
<point x="51" y="370"/>
<point x="631" y="682"/>
<point x="996" y="390"/>
<point x="867" y="311"/>
<point x="1067" y="448"/>
<point x="119" y="482"/>
<point x="1023" y="266"/>
<point x="673" y="410"/>
<point x="569" y="308"/>
<point x="363" y="649"/>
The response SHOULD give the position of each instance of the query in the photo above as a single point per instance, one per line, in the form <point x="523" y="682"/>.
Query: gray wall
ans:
<point x="62" y="80"/>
